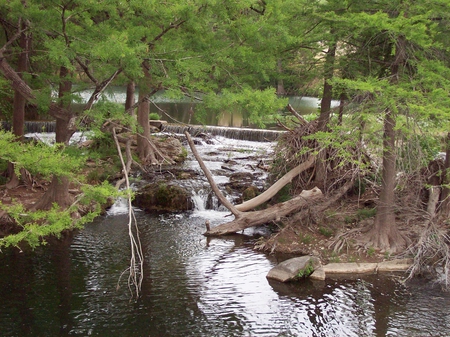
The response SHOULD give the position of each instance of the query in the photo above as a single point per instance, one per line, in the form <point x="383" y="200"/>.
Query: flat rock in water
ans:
<point x="350" y="268"/>
<point x="395" y="265"/>
<point x="319" y="274"/>
<point x="289" y="269"/>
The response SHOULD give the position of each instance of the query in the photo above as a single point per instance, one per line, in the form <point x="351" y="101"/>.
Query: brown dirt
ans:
<point x="335" y="236"/>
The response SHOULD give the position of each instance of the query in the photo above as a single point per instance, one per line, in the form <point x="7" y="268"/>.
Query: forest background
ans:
<point x="387" y="62"/>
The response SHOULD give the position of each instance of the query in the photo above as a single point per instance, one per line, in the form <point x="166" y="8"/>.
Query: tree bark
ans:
<point x="65" y="88"/>
<point x="19" y="99"/>
<point x="58" y="192"/>
<point x="384" y="235"/>
<point x="280" y="84"/>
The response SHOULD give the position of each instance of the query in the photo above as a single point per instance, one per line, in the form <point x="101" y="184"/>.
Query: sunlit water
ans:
<point x="196" y="286"/>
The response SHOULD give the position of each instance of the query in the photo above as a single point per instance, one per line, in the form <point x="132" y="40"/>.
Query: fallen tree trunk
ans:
<point x="245" y="220"/>
<point x="273" y="213"/>
<point x="272" y="190"/>
<point x="211" y="181"/>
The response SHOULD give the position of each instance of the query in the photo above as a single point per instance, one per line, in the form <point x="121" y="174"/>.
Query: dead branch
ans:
<point x="283" y="181"/>
<point x="136" y="269"/>
<point x="273" y="213"/>
<point x="214" y="187"/>
<point x="432" y="250"/>
<point x="296" y="114"/>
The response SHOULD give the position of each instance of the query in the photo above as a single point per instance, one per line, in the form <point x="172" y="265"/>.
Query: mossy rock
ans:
<point x="161" y="197"/>
<point x="172" y="148"/>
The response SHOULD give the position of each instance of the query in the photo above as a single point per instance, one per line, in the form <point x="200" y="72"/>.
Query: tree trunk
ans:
<point x="19" y="105"/>
<point x="145" y="151"/>
<point x="58" y="192"/>
<point x="385" y="235"/>
<point x="19" y="99"/>
<point x="129" y="101"/>
<point x="280" y="84"/>
<point x="325" y="112"/>
<point x="445" y="195"/>
<point x="65" y="88"/>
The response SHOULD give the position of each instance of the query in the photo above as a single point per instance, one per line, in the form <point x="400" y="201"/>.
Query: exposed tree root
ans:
<point x="432" y="254"/>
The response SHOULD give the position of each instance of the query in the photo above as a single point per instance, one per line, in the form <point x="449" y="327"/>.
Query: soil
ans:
<point x="336" y="236"/>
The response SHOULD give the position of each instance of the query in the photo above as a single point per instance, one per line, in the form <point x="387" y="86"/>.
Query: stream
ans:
<point x="198" y="286"/>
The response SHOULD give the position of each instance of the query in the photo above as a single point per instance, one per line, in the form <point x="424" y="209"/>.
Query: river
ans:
<point x="197" y="286"/>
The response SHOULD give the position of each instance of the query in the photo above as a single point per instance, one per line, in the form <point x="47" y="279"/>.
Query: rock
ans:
<point x="171" y="147"/>
<point x="239" y="181"/>
<point x="162" y="197"/>
<point x="395" y="265"/>
<point x="318" y="274"/>
<point x="290" y="269"/>
<point x="350" y="268"/>
<point x="250" y="192"/>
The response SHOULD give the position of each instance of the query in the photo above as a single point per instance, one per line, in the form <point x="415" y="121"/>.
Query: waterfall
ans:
<point x="255" y="135"/>
<point x="33" y="126"/>
<point x="120" y="206"/>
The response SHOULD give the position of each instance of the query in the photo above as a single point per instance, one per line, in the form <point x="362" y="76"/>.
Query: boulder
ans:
<point x="171" y="147"/>
<point x="162" y="197"/>
<point x="294" y="268"/>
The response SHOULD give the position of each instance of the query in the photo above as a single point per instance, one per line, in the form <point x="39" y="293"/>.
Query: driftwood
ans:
<point x="274" y="213"/>
<point x="249" y="219"/>
<point x="272" y="190"/>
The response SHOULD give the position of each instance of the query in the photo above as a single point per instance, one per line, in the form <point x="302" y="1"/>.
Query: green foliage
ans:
<point x="305" y="238"/>
<point x="325" y="231"/>
<point x="37" y="225"/>
<point x="258" y="107"/>
<point x="154" y="116"/>
<point x="365" y="213"/>
<point x="308" y="270"/>
<point x="38" y="157"/>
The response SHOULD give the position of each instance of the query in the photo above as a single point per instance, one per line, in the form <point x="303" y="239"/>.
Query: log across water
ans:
<point x="249" y="219"/>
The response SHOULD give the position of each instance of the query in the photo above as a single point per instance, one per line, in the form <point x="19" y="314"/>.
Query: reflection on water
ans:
<point x="196" y="286"/>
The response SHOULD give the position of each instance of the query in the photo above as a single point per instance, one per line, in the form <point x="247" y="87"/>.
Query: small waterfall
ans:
<point x="120" y="206"/>
<point x="206" y="206"/>
<point x="33" y="126"/>
<point x="199" y="201"/>
<point x="256" y="135"/>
